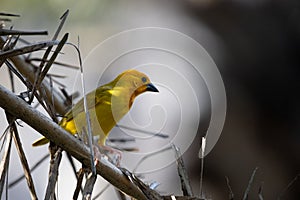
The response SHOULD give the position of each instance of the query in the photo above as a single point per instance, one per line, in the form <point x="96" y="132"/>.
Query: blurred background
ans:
<point x="255" y="45"/>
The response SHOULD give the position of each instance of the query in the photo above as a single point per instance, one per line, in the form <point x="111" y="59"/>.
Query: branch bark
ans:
<point x="29" y="72"/>
<point x="20" y="109"/>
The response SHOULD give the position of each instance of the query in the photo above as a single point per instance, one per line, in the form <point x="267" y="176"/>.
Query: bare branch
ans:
<point x="62" y="22"/>
<point x="27" y="49"/>
<point x="29" y="72"/>
<point x="260" y="192"/>
<point x="245" y="197"/>
<point x="127" y="183"/>
<point x="17" y="32"/>
<point x="148" y="156"/>
<point x="13" y="183"/>
<point x="53" y="173"/>
<point x="17" y="107"/>
<point x="231" y="195"/>
<point x="184" y="179"/>
<point x="5" y="161"/>
<point x="172" y="197"/>
<point x="9" y="14"/>
<point x="89" y="186"/>
<point x="22" y="156"/>
<point x="288" y="186"/>
<point x="56" y="63"/>
<point x="79" y="182"/>
<point x="121" y="195"/>
<point x="101" y="192"/>
<point x="158" y="134"/>
<point x="53" y="57"/>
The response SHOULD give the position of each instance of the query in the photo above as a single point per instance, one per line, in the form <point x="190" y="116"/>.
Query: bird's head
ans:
<point x="136" y="83"/>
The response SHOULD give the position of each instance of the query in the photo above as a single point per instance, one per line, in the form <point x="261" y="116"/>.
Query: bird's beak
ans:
<point x="147" y="87"/>
<point x="151" y="88"/>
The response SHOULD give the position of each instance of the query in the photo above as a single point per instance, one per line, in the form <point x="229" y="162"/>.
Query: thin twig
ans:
<point x="184" y="179"/>
<point x="29" y="72"/>
<point x="79" y="177"/>
<point x="17" y="32"/>
<point x="22" y="157"/>
<point x="87" y="114"/>
<point x="68" y="142"/>
<point x="26" y="49"/>
<point x="260" y="192"/>
<point x="42" y="74"/>
<point x="9" y="14"/>
<point x="231" y="195"/>
<point x="158" y="134"/>
<point x="201" y="156"/>
<point x="75" y="172"/>
<point x="53" y="173"/>
<point x="7" y="45"/>
<point x="13" y="70"/>
<point x="121" y="140"/>
<point x="67" y="96"/>
<point x="72" y="164"/>
<point x="101" y="192"/>
<point x="121" y="195"/>
<point x="45" y="56"/>
<point x="53" y="57"/>
<point x="49" y="102"/>
<point x="173" y="197"/>
<point x="5" y="160"/>
<point x="55" y="76"/>
<point x="245" y="197"/>
<point x="288" y="186"/>
<point x="12" y="81"/>
<point x="63" y="19"/>
<point x="148" y="156"/>
<point x="56" y="63"/>
<point x="37" y="164"/>
<point x="89" y="186"/>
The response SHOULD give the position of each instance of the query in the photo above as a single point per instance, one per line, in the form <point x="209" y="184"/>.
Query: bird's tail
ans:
<point x="40" y="142"/>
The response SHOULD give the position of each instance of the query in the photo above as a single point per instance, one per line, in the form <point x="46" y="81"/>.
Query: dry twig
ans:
<point x="89" y="186"/>
<point x="61" y="137"/>
<point x="11" y="120"/>
<point x="288" y="186"/>
<point x="245" y="197"/>
<point x="79" y="176"/>
<point x="53" y="173"/>
<point x="231" y="195"/>
<point x="17" y="32"/>
<point x="184" y="179"/>
<point x="5" y="160"/>
<point x="37" y="164"/>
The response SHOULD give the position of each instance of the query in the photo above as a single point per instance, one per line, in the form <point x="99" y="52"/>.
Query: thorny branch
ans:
<point x="124" y="182"/>
<point x="17" y="108"/>
<point x="20" y="109"/>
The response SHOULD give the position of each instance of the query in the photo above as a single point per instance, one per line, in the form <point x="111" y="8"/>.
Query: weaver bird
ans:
<point x="107" y="105"/>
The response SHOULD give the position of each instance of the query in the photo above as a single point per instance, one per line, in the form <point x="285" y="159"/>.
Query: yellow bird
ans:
<point x="107" y="105"/>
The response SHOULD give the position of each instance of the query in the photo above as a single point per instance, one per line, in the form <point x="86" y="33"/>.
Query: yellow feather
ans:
<point x="107" y="105"/>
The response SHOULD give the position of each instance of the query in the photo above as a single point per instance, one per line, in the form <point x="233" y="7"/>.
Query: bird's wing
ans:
<point x="101" y="95"/>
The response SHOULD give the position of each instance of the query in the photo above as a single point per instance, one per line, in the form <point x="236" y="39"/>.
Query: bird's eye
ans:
<point x="144" y="79"/>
